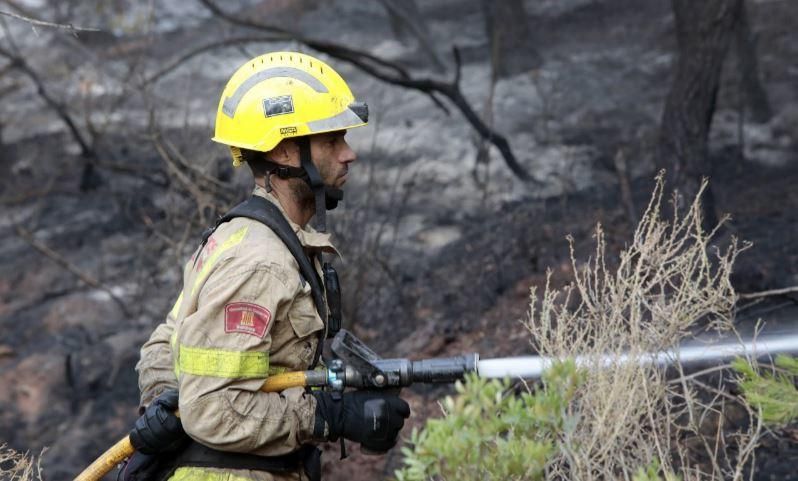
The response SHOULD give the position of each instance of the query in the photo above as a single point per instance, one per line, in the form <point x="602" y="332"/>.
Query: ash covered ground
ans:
<point x="440" y="246"/>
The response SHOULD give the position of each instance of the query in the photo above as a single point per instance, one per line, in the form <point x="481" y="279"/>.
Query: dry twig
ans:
<point x="628" y="415"/>
<point x="25" y="235"/>
<point x="41" y="23"/>
<point x="16" y="466"/>
<point x="228" y="42"/>
<point x="772" y="292"/>
<point x="16" y="60"/>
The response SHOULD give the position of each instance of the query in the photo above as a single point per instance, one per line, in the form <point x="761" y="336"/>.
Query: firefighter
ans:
<point x="247" y="310"/>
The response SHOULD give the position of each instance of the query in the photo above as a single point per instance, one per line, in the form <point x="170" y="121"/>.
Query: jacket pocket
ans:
<point x="303" y="316"/>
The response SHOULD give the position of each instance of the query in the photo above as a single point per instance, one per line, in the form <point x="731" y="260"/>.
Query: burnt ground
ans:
<point x="438" y="260"/>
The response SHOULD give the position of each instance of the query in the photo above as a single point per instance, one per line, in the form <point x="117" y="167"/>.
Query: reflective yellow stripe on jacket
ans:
<point x="201" y="474"/>
<point x="221" y="363"/>
<point x="176" y="308"/>
<point x="216" y="362"/>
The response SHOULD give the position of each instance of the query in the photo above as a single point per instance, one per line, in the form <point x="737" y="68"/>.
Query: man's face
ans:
<point x="332" y="156"/>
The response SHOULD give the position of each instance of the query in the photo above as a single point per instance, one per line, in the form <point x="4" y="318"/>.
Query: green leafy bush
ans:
<point x="773" y="394"/>
<point x="490" y="432"/>
<point x="651" y="473"/>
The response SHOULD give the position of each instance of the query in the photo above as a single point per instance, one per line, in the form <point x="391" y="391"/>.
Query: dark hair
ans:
<point x="257" y="162"/>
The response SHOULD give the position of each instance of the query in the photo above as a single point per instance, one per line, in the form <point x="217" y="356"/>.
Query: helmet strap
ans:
<point x="326" y="197"/>
<point x="287" y="172"/>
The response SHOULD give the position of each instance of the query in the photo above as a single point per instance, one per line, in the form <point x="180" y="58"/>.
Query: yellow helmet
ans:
<point x="280" y="95"/>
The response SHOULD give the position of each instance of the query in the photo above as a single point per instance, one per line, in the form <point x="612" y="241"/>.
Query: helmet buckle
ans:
<point x="283" y="172"/>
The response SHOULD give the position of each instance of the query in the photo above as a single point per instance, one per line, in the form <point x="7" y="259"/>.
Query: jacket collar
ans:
<point x="308" y="236"/>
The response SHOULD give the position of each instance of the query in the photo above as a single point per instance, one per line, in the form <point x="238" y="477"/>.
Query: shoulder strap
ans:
<point x="263" y="211"/>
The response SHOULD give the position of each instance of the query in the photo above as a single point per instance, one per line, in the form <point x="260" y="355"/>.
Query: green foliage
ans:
<point x="651" y="473"/>
<point x="489" y="432"/>
<point x="774" y="394"/>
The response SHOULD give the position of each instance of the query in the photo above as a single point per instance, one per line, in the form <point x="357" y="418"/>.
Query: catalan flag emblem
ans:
<point x="246" y="318"/>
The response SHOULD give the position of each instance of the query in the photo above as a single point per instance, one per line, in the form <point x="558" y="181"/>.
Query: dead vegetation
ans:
<point x="668" y="284"/>
<point x="16" y="466"/>
<point x="126" y="106"/>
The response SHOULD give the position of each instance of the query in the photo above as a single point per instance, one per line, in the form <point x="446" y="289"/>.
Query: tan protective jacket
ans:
<point x="244" y="313"/>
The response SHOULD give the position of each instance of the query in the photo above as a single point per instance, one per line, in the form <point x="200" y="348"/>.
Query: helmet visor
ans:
<point x="355" y="115"/>
<point x="361" y="109"/>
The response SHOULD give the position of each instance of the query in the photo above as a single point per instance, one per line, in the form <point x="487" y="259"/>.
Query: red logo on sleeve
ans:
<point x="246" y="318"/>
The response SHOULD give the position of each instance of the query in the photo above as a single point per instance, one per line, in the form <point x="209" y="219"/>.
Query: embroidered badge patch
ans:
<point x="246" y="318"/>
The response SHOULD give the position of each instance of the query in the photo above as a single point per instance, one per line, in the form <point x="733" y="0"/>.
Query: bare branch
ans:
<point x="25" y="235"/>
<point x="772" y="292"/>
<point x="203" y="49"/>
<point x="622" y="171"/>
<point x="394" y="74"/>
<point x="662" y="288"/>
<point x="59" y="108"/>
<point x="203" y="201"/>
<point x="32" y="195"/>
<point x="199" y="175"/>
<point x="332" y="49"/>
<point x="153" y="176"/>
<point x="42" y="23"/>
<point x="409" y="19"/>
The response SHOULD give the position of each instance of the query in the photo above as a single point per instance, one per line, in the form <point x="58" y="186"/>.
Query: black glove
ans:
<point x="371" y="418"/>
<point x="139" y="467"/>
<point x="159" y="429"/>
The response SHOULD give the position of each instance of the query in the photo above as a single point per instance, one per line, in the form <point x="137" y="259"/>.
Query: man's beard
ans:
<point x="302" y="194"/>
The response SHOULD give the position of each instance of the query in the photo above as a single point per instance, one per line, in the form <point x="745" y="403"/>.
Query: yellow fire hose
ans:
<point x="397" y="373"/>
<point x="123" y="449"/>
<point x="355" y="366"/>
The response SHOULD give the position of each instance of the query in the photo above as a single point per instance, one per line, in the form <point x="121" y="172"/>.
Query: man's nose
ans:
<point x="347" y="154"/>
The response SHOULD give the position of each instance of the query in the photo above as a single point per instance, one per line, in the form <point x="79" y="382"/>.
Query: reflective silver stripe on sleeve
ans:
<point x="231" y="103"/>
<point x="344" y="120"/>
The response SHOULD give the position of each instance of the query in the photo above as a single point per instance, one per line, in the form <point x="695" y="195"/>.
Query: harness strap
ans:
<point x="197" y="455"/>
<point x="307" y="457"/>
<point x="263" y="211"/>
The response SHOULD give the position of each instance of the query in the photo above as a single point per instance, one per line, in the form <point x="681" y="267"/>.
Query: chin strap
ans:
<point x="315" y="182"/>
<point x="326" y="197"/>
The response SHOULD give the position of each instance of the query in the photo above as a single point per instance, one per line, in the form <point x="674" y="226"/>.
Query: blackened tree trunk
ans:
<point x="755" y="96"/>
<point x="512" y="48"/>
<point x="704" y="30"/>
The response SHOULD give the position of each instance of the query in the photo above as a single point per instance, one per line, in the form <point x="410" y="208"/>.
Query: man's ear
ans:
<point x="283" y="152"/>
